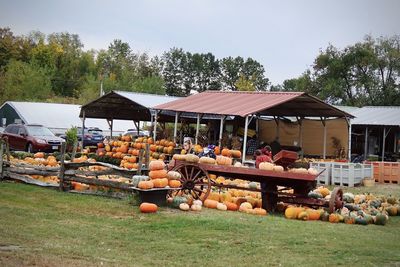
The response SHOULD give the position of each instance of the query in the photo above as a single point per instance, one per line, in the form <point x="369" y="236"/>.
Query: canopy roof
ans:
<point x="376" y="115"/>
<point x="261" y="103"/>
<point x="124" y="106"/>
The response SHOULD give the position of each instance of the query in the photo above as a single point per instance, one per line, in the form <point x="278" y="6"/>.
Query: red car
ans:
<point x="32" y="138"/>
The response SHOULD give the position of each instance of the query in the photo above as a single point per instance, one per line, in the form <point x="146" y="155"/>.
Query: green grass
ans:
<point x="52" y="228"/>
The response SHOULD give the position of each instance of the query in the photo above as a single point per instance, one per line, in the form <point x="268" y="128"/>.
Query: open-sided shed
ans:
<point x="252" y="105"/>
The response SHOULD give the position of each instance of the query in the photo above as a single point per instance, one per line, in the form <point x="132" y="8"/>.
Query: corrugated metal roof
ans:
<point x="146" y="100"/>
<point x="377" y="115"/>
<point x="246" y="103"/>
<point x="60" y="116"/>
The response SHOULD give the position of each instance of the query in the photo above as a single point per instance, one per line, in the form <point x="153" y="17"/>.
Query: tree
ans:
<point x="206" y="72"/>
<point x="23" y="81"/>
<point x="175" y="65"/>
<point x="230" y="71"/>
<point x="244" y="84"/>
<point x="13" y="47"/>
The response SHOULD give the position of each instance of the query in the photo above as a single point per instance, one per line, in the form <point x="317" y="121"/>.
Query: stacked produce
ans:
<point x="360" y="209"/>
<point x="159" y="177"/>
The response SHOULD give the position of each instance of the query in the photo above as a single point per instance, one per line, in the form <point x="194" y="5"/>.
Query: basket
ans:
<point x="368" y="182"/>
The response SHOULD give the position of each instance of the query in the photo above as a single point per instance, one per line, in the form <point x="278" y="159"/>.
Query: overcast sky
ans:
<point x="285" y="36"/>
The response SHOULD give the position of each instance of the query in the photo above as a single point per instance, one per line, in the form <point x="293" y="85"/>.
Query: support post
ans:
<point x="366" y="144"/>
<point x="323" y="120"/>
<point x="1" y="159"/>
<point x="83" y="127"/>
<point x="155" y="126"/>
<point x="176" y="127"/>
<point x="110" y="124"/>
<point x="349" y="125"/>
<point x="151" y="124"/>
<point x="257" y="127"/>
<point x="137" y="124"/>
<point x="300" y="121"/>
<point x="246" y="125"/>
<point x="277" y="127"/>
<point x="221" y="129"/>
<point x="62" y="167"/>
<point x="197" y="128"/>
<point x="383" y="143"/>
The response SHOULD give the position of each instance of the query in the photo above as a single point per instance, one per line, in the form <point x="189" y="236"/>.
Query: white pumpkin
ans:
<point x="195" y="207"/>
<point x="197" y="202"/>
<point x="278" y="168"/>
<point x="221" y="206"/>
<point x="238" y="164"/>
<point x="184" y="206"/>
<point x="173" y="175"/>
<point x="312" y="171"/>
<point x="245" y="206"/>
<point x="266" y="166"/>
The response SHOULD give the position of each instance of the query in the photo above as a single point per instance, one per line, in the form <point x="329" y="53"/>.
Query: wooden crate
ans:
<point x="387" y="172"/>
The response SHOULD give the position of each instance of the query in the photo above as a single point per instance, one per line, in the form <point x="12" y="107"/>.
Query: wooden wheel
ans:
<point x="195" y="180"/>
<point x="336" y="201"/>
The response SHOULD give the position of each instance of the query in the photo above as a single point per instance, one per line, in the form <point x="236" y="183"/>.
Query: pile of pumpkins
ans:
<point x="40" y="158"/>
<point x="158" y="177"/>
<point x="127" y="150"/>
<point x="360" y="209"/>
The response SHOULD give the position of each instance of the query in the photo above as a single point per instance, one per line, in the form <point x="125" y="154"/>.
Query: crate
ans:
<point x="350" y="174"/>
<point x="325" y="177"/>
<point x="387" y="172"/>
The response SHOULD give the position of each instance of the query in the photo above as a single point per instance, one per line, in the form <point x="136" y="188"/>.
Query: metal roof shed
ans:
<point x="253" y="104"/>
<point x="123" y="105"/>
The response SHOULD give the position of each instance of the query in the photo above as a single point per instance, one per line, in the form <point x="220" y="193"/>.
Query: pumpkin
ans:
<point x="221" y="206"/>
<point x="226" y="152"/>
<point x="349" y="220"/>
<point x="158" y="174"/>
<point x="278" y="168"/>
<point x="315" y="195"/>
<point x="192" y="158"/>
<point x="313" y="215"/>
<point x="52" y="163"/>
<point x="266" y="166"/>
<point x="292" y="212"/>
<point x="178" y="157"/>
<point x="145" y="184"/>
<point x="253" y="185"/>
<point x="155" y="165"/>
<point x="197" y="202"/>
<point x="334" y="218"/>
<point x="312" y="171"/>
<point x="303" y="215"/>
<point x="177" y="200"/>
<point x="160" y="183"/>
<point x="132" y="159"/>
<point x="184" y="206"/>
<point x="137" y="178"/>
<point x="39" y="155"/>
<point x="391" y="200"/>
<point x="195" y="207"/>
<point x="231" y="206"/>
<point x="173" y="175"/>
<point x="209" y="203"/>
<point x="245" y="206"/>
<point x="323" y="191"/>
<point x="148" y="207"/>
<point x="260" y="211"/>
<point x="236" y="154"/>
<point x="217" y="150"/>
<point x="207" y="160"/>
<point x="222" y="160"/>
<point x="380" y="219"/>
<point x="80" y="186"/>
<point x="214" y="196"/>
<point x="174" y="183"/>
<point x="392" y="210"/>
<point x="361" y="220"/>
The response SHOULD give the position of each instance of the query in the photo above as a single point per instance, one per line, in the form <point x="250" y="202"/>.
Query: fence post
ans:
<point x="1" y="159"/>
<point x="140" y="162"/>
<point x="74" y="148"/>
<point x="147" y="156"/>
<point x="62" y="167"/>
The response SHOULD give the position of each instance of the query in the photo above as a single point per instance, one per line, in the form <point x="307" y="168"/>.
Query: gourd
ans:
<point x="312" y="171"/>
<point x="278" y="168"/>
<point x="38" y="155"/>
<point x="197" y="202"/>
<point x="380" y="219"/>
<point x="236" y="154"/>
<point x="292" y="212"/>
<point x="349" y="220"/>
<point x="315" y="195"/>
<point x="178" y="157"/>
<point x="391" y="200"/>
<point x="349" y="198"/>
<point x="303" y="215"/>
<point x="245" y="206"/>
<point x="226" y="152"/>
<point x="173" y="175"/>
<point x="392" y="210"/>
<point x="253" y="185"/>
<point x="207" y="160"/>
<point x="214" y="196"/>
<point x="231" y="206"/>
<point x="323" y="191"/>
<point x="361" y="220"/>
<point x="222" y="160"/>
<point x="174" y="183"/>
<point x="158" y="174"/>
<point x="266" y="166"/>
<point x="260" y="211"/>
<point x="221" y="206"/>
<point x="148" y="207"/>
<point x="145" y="184"/>
<point x="325" y="216"/>
<point x="184" y="206"/>
<point x="137" y="178"/>
<point x="209" y="203"/>
<point x="177" y="200"/>
<point x="334" y="218"/>
<point x="313" y="215"/>
<point x="160" y="183"/>
<point x="195" y="207"/>
<point x="192" y="158"/>
<point x="155" y="165"/>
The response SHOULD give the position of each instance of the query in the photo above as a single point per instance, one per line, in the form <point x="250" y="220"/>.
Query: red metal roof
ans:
<point x="246" y="103"/>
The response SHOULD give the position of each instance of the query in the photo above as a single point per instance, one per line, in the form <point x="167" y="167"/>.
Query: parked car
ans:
<point x="92" y="136"/>
<point x="32" y="138"/>
<point x="133" y="132"/>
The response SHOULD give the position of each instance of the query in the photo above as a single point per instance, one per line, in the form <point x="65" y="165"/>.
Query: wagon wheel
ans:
<point x="336" y="200"/>
<point x="195" y="180"/>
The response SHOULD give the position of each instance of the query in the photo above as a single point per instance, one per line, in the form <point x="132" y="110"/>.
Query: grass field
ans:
<point x="44" y="227"/>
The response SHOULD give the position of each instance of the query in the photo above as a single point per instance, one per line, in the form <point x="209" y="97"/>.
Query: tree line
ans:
<point x="56" y="68"/>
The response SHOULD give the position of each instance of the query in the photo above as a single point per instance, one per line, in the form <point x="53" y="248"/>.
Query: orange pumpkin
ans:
<point x="334" y="218"/>
<point x="156" y="165"/>
<point x="236" y="154"/>
<point x="209" y="203"/>
<point x="160" y="183"/>
<point x="174" y="183"/>
<point x="146" y="185"/>
<point x="313" y="215"/>
<point x="38" y="155"/>
<point x="217" y="150"/>
<point x="132" y="159"/>
<point x="222" y="160"/>
<point x="260" y="211"/>
<point x="148" y="207"/>
<point x="158" y="174"/>
<point x="226" y="152"/>
<point x="100" y="145"/>
<point x="108" y="148"/>
<point x="231" y="206"/>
